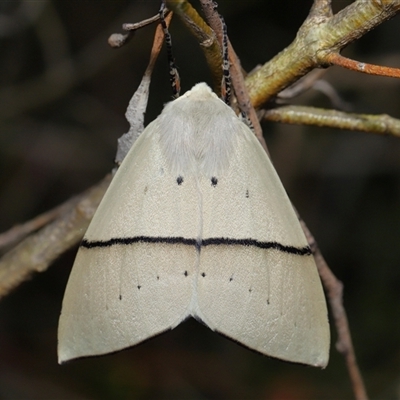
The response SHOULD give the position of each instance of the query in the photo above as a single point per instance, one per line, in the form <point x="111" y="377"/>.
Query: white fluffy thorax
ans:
<point x="198" y="132"/>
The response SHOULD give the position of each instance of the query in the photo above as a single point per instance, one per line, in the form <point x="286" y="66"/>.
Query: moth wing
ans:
<point x="270" y="300"/>
<point x="120" y="294"/>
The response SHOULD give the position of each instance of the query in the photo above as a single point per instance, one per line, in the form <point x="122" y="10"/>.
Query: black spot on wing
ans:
<point x="214" y="181"/>
<point x="247" y="194"/>
<point x="179" y="180"/>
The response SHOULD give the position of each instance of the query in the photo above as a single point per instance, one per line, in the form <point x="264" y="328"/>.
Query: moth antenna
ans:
<point x="173" y="71"/>
<point x="226" y="86"/>
<point x="247" y="120"/>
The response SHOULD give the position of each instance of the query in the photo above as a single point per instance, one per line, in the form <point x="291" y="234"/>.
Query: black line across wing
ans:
<point x="301" y="251"/>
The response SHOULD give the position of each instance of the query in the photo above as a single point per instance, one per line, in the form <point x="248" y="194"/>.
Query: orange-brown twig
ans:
<point x="371" y="69"/>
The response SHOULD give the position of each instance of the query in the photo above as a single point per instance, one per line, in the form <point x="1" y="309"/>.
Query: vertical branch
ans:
<point x="203" y="34"/>
<point x="334" y="289"/>
<point x="243" y="99"/>
<point x="138" y="103"/>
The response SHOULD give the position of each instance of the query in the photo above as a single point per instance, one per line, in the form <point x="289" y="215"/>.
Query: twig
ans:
<point x="18" y="232"/>
<point x="138" y="104"/>
<point x="312" y="80"/>
<point x="117" y="40"/>
<point x="203" y="34"/>
<point x="238" y="82"/>
<point x="302" y="85"/>
<point x="380" y="124"/>
<point x="371" y="69"/>
<point x="141" y="24"/>
<point x="38" y="251"/>
<point x="334" y="290"/>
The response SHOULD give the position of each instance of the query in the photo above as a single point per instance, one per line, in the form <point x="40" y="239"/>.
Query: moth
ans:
<point x="196" y="223"/>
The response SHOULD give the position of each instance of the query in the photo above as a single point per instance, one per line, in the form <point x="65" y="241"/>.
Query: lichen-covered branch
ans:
<point x="380" y="124"/>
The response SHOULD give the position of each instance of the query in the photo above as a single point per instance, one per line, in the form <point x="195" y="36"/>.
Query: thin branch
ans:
<point x="141" y="24"/>
<point x="137" y="106"/>
<point x="334" y="290"/>
<point x="18" y="232"/>
<point x="38" y="251"/>
<point x="302" y="85"/>
<point x="117" y="40"/>
<point x="203" y="34"/>
<point x="312" y="81"/>
<point x="381" y="124"/>
<point x="371" y="69"/>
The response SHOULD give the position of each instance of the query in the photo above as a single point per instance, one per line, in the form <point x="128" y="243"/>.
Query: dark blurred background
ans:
<point x="63" y="95"/>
